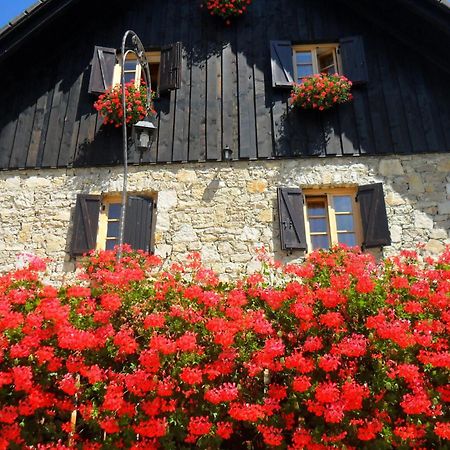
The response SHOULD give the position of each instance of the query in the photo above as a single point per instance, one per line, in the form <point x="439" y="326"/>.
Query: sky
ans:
<point x="12" y="8"/>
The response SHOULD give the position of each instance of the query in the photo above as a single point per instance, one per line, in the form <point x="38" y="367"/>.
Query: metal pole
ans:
<point x="139" y="50"/>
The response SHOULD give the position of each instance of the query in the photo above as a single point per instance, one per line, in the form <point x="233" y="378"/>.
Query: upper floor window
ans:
<point x="290" y="62"/>
<point x="133" y="70"/>
<point x="309" y="60"/>
<point x="165" y="68"/>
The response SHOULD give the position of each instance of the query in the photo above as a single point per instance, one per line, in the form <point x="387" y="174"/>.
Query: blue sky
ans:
<point x="12" y="8"/>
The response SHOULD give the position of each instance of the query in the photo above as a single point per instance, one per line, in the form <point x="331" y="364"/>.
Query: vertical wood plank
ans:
<point x="213" y="92"/>
<point x="401" y="58"/>
<point x="229" y="96"/>
<point x="24" y="129"/>
<point x="382" y="139"/>
<point x="246" y="94"/>
<point x="332" y="131"/>
<point x="167" y="103"/>
<point x="198" y="85"/>
<point x="183" y="94"/>
<point x="394" y="105"/>
<point x="429" y="110"/>
<point x="8" y="126"/>
<point x="42" y="105"/>
<point x="262" y="84"/>
<point x="71" y="124"/>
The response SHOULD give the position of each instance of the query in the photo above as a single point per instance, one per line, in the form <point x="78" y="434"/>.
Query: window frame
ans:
<point x="153" y="58"/>
<point x="103" y="219"/>
<point x="315" y="60"/>
<point x="328" y="193"/>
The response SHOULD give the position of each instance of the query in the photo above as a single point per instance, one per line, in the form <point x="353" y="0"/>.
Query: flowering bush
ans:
<point x="227" y="8"/>
<point x="321" y="91"/>
<point x="109" y="104"/>
<point x="335" y="353"/>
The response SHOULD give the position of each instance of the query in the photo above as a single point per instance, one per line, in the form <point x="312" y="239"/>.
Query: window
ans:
<point x="320" y="218"/>
<point x="165" y="68"/>
<point x="96" y="223"/>
<point x="332" y="217"/>
<point x="109" y="223"/>
<point x="309" y="60"/>
<point x="133" y="70"/>
<point x="290" y="62"/>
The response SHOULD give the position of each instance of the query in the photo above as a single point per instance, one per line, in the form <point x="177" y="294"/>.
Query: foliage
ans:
<point x="227" y="8"/>
<point x="336" y="353"/>
<point x="321" y="91"/>
<point x="109" y="104"/>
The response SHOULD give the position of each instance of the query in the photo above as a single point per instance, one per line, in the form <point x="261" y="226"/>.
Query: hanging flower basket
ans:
<point x="321" y="91"/>
<point x="227" y="8"/>
<point x="109" y="104"/>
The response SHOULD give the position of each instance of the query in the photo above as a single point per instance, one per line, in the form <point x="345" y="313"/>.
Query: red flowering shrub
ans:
<point x="227" y="8"/>
<point x="109" y="104"/>
<point x="336" y="353"/>
<point x="321" y="91"/>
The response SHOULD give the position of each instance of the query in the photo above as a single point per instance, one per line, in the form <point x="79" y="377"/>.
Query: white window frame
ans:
<point x="313" y="48"/>
<point x="328" y="193"/>
<point x="153" y="57"/>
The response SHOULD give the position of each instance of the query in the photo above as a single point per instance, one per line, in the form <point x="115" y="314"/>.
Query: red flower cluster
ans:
<point x="227" y="8"/>
<point x="329" y="354"/>
<point x="109" y="104"/>
<point x="322" y="91"/>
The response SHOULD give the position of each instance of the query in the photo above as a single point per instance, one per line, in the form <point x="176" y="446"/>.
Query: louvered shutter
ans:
<point x="373" y="215"/>
<point x="85" y="224"/>
<point x="282" y="64"/>
<point x="102" y="69"/>
<point x="138" y="223"/>
<point x="170" y="67"/>
<point x="292" y="222"/>
<point x="354" y="59"/>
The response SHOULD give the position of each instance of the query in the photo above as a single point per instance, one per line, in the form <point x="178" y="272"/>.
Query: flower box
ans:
<point x="321" y="91"/>
<point x="227" y="8"/>
<point x="109" y="104"/>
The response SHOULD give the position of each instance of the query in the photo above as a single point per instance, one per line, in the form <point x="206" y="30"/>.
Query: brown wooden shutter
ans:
<point x="354" y="59"/>
<point x="373" y="215"/>
<point x="282" y="64"/>
<point x="138" y="223"/>
<point x="102" y="69"/>
<point x="170" y="67"/>
<point x="85" y="224"/>
<point x="292" y="222"/>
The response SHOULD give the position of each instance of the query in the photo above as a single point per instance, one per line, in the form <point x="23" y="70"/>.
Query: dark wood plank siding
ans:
<point x="226" y="95"/>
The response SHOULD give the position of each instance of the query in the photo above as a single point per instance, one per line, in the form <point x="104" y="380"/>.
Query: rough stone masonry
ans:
<point x="224" y="211"/>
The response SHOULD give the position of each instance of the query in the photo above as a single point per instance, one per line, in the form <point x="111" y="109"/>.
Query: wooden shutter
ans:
<point x="281" y="60"/>
<point x="292" y="222"/>
<point x="170" y="67"/>
<point x="373" y="215"/>
<point x="102" y="69"/>
<point x="354" y="59"/>
<point x="138" y="223"/>
<point x="85" y="224"/>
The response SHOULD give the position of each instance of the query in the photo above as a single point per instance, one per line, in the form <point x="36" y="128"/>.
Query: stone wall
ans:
<point x="222" y="210"/>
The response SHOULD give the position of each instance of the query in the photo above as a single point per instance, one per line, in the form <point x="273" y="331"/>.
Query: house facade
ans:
<point x="373" y="172"/>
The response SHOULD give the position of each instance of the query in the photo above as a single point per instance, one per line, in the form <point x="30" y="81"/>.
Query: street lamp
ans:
<point x="141" y="131"/>
<point x="141" y="134"/>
